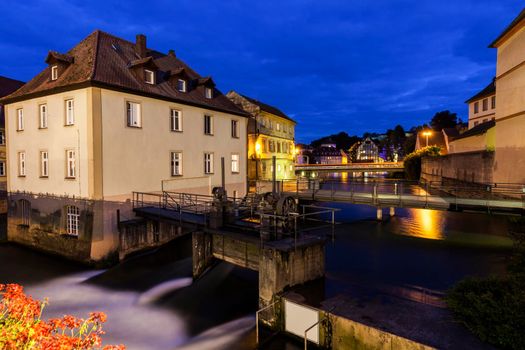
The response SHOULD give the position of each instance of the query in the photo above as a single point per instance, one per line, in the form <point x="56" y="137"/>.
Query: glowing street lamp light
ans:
<point x="427" y="134"/>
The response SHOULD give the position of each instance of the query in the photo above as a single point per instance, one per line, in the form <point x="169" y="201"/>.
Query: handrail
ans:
<point x="257" y="320"/>
<point x="308" y="329"/>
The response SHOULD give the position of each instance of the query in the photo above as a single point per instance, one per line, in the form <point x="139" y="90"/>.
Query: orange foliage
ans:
<point x="21" y="326"/>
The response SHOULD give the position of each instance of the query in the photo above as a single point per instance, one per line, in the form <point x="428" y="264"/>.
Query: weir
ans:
<point x="281" y="263"/>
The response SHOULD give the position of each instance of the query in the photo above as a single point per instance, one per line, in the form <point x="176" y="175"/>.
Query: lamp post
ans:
<point x="427" y="134"/>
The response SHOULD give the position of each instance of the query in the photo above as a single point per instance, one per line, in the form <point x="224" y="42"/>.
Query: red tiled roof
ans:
<point x="8" y="85"/>
<point x="267" y="108"/>
<point x="102" y="59"/>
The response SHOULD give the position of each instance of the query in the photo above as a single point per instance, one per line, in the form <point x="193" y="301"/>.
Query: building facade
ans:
<point x="7" y="86"/>
<point x="482" y="106"/>
<point x="328" y="153"/>
<point x="492" y="150"/>
<point x="509" y="164"/>
<point x="367" y="152"/>
<point x="106" y="119"/>
<point x="271" y="133"/>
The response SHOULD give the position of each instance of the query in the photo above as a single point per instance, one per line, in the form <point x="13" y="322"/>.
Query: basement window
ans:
<point x="72" y="220"/>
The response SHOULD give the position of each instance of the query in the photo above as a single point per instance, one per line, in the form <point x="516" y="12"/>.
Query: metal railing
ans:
<point x="403" y="192"/>
<point x="257" y="317"/>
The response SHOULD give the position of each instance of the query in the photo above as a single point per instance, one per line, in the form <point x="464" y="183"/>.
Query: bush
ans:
<point x="22" y="327"/>
<point x="412" y="162"/>
<point x="494" y="308"/>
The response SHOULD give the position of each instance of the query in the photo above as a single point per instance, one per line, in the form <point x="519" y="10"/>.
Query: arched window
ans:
<point x="72" y="220"/>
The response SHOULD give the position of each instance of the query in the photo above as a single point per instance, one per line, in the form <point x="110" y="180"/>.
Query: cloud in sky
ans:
<point x="353" y="65"/>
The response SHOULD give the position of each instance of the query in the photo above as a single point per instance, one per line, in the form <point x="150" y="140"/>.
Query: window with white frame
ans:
<point x="21" y="163"/>
<point x="208" y="124"/>
<point x="181" y="85"/>
<point x="175" y="120"/>
<point x="2" y="137"/>
<point x="208" y="92"/>
<point x="70" y="112"/>
<point x="235" y="128"/>
<point x="44" y="164"/>
<point x="235" y="163"/>
<point x="43" y="116"/>
<point x="54" y="72"/>
<point x="71" y="170"/>
<point x="149" y="76"/>
<point x="2" y="168"/>
<point x="176" y="163"/>
<point x="133" y="114"/>
<point x="208" y="163"/>
<point x="19" y="119"/>
<point x="72" y="220"/>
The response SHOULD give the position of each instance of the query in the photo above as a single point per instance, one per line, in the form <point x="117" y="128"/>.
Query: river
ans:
<point x="152" y="302"/>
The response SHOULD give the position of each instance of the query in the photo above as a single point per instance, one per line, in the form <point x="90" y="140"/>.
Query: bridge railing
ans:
<point x="403" y="191"/>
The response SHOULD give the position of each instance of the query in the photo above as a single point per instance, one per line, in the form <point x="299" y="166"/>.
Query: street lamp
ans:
<point x="427" y="134"/>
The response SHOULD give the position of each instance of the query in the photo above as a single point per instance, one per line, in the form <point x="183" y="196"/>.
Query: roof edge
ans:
<point x="93" y="83"/>
<point x="508" y="29"/>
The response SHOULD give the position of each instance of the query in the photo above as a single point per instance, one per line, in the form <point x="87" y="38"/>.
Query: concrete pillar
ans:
<point x="392" y="211"/>
<point x="202" y="253"/>
<point x="284" y="267"/>
<point x="379" y="213"/>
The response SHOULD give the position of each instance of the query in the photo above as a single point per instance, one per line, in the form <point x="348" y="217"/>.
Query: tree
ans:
<point x="342" y="140"/>
<point x="444" y="119"/>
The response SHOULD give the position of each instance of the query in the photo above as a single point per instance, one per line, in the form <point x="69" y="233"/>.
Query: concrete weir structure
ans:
<point x="281" y="264"/>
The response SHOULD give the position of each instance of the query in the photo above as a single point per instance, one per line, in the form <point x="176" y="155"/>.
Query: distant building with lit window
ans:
<point x="270" y="133"/>
<point x="367" y="152"/>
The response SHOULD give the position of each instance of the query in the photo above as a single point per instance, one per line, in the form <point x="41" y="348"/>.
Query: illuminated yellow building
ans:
<point x="270" y="133"/>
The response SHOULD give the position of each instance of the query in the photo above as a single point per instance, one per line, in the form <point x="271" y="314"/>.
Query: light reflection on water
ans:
<point x="427" y="223"/>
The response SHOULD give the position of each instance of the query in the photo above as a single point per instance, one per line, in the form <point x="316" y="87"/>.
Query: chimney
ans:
<point x="140" y="45"/>
<point x="171" y="53"/>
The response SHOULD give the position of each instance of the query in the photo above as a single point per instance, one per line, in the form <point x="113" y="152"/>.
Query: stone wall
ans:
<point x="470" y="167"/>
<point x="39" y="221"/>
<point x="348" y="334"/>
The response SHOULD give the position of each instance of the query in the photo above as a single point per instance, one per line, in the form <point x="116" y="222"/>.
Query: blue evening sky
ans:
<point x="354" y="65"/>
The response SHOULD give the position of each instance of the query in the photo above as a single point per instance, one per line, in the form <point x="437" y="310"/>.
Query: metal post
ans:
<point x="274" y="174"/>
<point x="257" y="320"/>
<point x="223" y="174"/>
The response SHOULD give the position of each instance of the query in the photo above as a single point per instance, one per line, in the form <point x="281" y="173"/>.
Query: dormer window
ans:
<point x="208" y="92"/>
<point x="54" y="72"/>
<point x="181" y="85"/>
<point x="149" y="76"/>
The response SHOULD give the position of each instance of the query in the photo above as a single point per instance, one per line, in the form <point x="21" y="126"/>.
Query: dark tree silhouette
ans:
<point x="444" y="119"/>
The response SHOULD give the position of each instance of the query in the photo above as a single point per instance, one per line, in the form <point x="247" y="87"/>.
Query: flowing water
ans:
<point x="152" y="302"/>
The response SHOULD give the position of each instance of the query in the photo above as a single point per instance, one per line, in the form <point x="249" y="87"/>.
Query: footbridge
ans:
<point x="382" y="193"/>
<point x="355" y="167"/>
